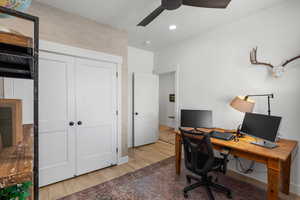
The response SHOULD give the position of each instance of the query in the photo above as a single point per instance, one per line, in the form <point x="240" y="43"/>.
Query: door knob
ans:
<point x="79" y="123"/>
<point x="136" y="113"/>
<point x="71" y="123"/>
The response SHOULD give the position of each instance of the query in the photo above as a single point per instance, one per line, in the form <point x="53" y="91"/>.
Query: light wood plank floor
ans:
<point x="166" y="134"/>
<point x="138" y="158"/>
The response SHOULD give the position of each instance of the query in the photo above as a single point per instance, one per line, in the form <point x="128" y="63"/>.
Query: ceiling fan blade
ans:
<point x="207" y="3"/>
<point x="152" y="16"/>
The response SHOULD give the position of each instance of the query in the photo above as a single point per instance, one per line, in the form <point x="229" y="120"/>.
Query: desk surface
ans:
<point x="282" y="152"/>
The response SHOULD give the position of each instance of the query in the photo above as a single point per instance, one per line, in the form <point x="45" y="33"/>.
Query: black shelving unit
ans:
<point x="25" y="65"/>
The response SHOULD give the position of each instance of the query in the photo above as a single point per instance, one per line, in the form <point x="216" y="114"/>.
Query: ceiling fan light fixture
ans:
<point x="172" y="27"/>
<point x="174" y="4"/>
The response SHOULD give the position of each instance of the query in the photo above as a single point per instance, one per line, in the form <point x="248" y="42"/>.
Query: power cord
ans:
<point x="295" y="154"/>
<point x="238" y="163"/>
<point x="241" y="168"/>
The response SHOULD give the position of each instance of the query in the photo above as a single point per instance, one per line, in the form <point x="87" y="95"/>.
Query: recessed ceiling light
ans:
<point x="172" y="27"/>
<point x="147" y="42"/>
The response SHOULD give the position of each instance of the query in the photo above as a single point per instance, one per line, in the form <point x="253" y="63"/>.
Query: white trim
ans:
<point x="295" y="189"/>
<point x="123" y="160"/>
<point x="174" y="69"/>
<point x="78" y="52"/>
<point x="119" y="108"/>
<point x="57" y="48"/>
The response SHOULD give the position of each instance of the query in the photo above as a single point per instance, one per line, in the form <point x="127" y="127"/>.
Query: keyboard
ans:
<point x="222" y="136"/>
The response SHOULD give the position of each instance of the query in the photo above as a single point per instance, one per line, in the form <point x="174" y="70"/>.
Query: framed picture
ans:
<point x="172" y="97"/>
<point x="11" y="127"/>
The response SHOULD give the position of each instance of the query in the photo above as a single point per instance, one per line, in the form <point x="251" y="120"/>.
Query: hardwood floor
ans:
<point x="166" y="134"/>
<point x="138" y="158"/>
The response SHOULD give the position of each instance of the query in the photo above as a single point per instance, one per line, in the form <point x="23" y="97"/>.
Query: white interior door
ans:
<point x="96" y="115"/>
<point x="56" y="110"/>
<point x="146" y="105"/>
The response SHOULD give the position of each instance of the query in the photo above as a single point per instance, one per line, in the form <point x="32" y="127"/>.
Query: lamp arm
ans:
<point x="263" y="95"/>
<point x="260" y="95"/>
<point x="269" y="106"/>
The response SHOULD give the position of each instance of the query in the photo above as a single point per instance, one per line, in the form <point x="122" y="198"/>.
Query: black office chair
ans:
<point x="200" y="159"/>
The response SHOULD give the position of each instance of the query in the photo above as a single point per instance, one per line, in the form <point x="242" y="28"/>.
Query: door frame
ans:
<point x="52" y="47"/>
<point x="173" y="69"/>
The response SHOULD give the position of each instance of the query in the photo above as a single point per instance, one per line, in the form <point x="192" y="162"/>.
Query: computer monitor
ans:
<point x="261" y="126"/>
<point x="196" y="118"/>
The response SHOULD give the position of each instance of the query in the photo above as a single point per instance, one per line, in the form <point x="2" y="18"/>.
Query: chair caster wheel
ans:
<point x="188" y="180"/>
<point x="185" y="195"/>
<point x="229" y="195"/>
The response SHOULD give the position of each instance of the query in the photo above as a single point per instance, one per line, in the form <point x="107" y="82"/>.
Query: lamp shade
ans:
<point x="242" y="104"/>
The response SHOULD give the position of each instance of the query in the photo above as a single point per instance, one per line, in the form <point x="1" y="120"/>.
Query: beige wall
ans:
<point x="65" y="28"/>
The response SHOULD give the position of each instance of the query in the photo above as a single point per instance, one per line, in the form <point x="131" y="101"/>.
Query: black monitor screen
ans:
<point x="196" y="118"/>
<point x="261" y="126"/>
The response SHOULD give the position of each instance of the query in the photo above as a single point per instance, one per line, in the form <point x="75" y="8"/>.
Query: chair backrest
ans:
<point x="198" y="151"/>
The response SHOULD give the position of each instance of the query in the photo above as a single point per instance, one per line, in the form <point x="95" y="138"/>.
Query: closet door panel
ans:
<point x="96" y="110"/>
<point x="56" y="110"/>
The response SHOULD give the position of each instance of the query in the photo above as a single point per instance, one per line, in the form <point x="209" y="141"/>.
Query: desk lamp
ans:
<point x="245" y="104"/>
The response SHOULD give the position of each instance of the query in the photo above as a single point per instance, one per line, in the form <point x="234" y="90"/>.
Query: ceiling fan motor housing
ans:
<point x="171" y="4"/>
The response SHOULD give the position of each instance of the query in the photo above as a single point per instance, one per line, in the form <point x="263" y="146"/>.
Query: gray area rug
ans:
<point x="159" y="182"/>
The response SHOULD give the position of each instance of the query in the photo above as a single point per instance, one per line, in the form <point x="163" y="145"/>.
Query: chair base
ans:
<point x="208" y="184"/>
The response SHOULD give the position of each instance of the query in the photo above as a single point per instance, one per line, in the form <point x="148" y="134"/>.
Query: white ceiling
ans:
<point x="190" y="21"/>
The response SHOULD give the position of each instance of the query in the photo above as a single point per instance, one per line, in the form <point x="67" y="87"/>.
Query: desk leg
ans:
<point x="273" y="179"/>
<point x="178" y="150"/>
<point x="285" y="175"/>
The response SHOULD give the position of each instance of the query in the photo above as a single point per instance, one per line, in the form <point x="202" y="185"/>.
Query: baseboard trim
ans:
<point x="295" y="189"/>
<point x="123" y="160"/>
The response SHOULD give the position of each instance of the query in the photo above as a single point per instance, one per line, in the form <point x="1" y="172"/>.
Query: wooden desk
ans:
<point x="277" y="160"/>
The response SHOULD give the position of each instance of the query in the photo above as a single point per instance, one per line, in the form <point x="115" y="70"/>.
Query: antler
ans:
<point x="253" y="59"/>
<point x="290" y="60"/>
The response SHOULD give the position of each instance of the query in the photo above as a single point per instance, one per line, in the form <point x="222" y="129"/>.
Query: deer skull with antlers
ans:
<point x="277" y="71"/>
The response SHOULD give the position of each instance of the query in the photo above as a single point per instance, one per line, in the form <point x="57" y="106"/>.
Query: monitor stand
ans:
<point x="266" y="144"/>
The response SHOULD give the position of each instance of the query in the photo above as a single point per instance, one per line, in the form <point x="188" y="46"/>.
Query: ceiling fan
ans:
<point x="174" y="4"/>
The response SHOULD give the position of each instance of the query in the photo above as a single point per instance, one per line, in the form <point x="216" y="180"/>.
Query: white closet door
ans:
<point x="96" y="115"/>
<point x="56" y="110"/>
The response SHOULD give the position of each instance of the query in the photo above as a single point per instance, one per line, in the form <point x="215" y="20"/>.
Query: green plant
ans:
<point x="16" y="192"/>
